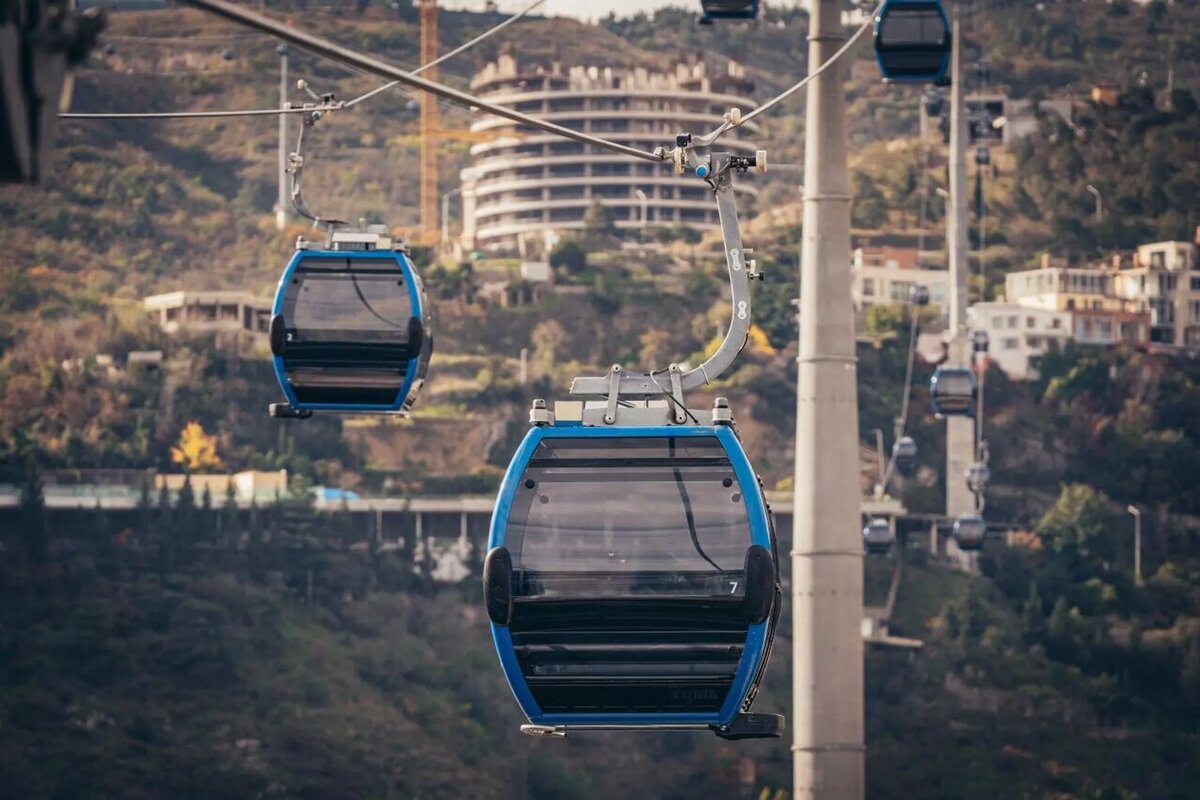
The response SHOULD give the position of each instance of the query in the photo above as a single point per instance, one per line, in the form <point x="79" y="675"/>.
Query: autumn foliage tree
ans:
<point x="196" y="451"/>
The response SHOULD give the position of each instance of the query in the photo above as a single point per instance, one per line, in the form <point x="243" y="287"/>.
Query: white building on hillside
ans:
<point x="1164" y="279"/>
<point x="216" y="312"/>
<point x="886" y="275"/>
<point x="1018" y="333"/>
<point x="1061" y="288"/>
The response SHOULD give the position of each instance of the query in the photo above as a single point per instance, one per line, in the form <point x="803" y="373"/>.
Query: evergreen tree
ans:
<point x="1060" y="631"/>
<point x="951" y="623"/>
<point x="168" y="536"/>
<point x="204" y="519"/>
<point x="145" y="509"/>
<point x="254" y="544"/>
<point x="102" y="540"/>
<point x="185" y="515"/>
<point x="1189" y="673"/>
<point x="34" y="528"/>
<point x="231" y="523"/>
<point x="1032" y="614"/>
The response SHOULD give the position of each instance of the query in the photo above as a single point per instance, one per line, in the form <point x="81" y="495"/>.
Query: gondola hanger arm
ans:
<point x="718" y="169"/>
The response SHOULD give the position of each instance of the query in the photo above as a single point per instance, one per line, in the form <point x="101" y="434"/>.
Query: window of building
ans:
<point x="1158" y="259"/>
<point x="900" y="290"/>
<point x="1195" y="284"/>
<point x="1056" y="323"/>
<point x="1012" y="321"/>
<point x="1034" y="342"/>
<point x="868" y="287"/>
<point x="1011" y="343"/>
<point x="1030" y="322"/>
<point x="1104" y="326"/>
<point x="997" y="322"/>
<point x="1195" y="308"/>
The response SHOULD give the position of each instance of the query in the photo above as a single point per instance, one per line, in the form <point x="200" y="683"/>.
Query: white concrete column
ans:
<point x="827" y="647"/>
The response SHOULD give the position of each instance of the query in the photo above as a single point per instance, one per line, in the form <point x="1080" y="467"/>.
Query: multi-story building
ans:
<point x="1061" y="288"/>
<point x="526" y="188"/>
<point x="1019" y="333"/>
<point x="1164" y="280"/>
<point x="1000" y="119"/>
<point x="1106" y="327"/>
<point x="218" y="312"/>
<point x="886" y="275"/>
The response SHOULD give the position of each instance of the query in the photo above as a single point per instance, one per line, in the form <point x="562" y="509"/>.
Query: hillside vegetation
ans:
<point x="192" y="650"/>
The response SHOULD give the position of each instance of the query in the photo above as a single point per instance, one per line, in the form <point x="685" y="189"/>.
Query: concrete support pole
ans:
<point x="960" y="431"/>
<point x="827" y="647"/>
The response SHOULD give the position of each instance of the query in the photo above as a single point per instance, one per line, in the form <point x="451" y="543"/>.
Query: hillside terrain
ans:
<point x="199" y="651"/>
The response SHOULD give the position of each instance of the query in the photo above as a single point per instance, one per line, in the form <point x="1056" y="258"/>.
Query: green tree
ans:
<point x="1079" y="523"/>
<point x="600" y="230"/>
<point x="569" y="256"/>
<point x="1033" y="617"/>
<point x="548" y="338"/>
<point x="653" y="347"/>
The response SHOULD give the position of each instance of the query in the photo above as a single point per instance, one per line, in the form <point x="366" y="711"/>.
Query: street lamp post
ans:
<point x="1137" y="544"/>
<point x="281" y="202"/>
<point x="641" y="196"/>
<point x="1094" y="192"/>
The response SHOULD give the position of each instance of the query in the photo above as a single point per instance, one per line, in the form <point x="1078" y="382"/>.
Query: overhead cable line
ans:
<point x="901" y="422"/>
<point x="331" y="106"/>
<point x="251" y="112"/>
<point x="466" y="46"/>
<point x="833" y="59"/>
<point x="336" y="52"/>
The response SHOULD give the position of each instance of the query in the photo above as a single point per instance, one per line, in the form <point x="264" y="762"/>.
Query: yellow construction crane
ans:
<point x="429" y="126"/>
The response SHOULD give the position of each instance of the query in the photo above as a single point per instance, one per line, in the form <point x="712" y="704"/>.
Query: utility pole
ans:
<point x="960" y="430"/>
<point x="827" y="647"/>
<point x="281" y="203"/>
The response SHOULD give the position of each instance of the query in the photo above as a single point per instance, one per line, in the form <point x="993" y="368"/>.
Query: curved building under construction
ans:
<point x="525" y="188"/>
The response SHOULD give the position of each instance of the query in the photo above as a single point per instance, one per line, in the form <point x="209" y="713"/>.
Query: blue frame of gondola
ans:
<point x="411" y="281"/>
<point x="760" y="534"/>
<point x="888" y="75"/>
<point x="708" y="16"/>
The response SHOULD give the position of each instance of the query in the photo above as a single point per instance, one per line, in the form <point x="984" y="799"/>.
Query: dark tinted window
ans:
<point x="635" y="515"/>
<point x="347" y="300"/>
<point x="912" y="26"/>
<point x="954" y="383"/>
